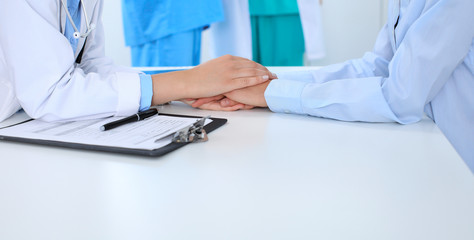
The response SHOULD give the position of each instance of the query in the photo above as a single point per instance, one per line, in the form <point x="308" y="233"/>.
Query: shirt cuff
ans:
<point x="301" y="76"/>
<point x="146" y="87"/>
<point x="285" y="96"/>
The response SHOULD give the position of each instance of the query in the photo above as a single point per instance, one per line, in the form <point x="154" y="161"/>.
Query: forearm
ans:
<point x="169" y="87"/>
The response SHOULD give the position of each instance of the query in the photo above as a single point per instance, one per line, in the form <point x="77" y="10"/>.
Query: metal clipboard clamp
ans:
<point x="192" y="133"/>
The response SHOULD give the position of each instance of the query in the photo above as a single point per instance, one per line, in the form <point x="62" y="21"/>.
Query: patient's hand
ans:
<point x="217" y="103"/>
<point x="254" y="96"/>
<point x="244" y="98"/>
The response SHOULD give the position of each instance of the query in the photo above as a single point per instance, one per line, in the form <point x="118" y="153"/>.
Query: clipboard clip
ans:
<point x="193" y="133"/>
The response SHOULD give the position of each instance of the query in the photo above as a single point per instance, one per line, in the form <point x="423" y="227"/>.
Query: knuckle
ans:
<point x="245" y="81"/>
<point x="253" y="72"/>
<point x="228" y="65"/>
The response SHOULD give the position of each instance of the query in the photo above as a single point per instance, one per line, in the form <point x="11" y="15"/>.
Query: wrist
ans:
<point x="263" y="100"/>
<point x="168" y="87"/>
<point x="186" y="87"/>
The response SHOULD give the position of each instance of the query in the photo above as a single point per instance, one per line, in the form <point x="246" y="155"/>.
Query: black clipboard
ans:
<point x="216" y="123"/>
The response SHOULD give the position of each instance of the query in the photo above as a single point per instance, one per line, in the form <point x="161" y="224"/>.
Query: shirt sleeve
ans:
<point x="146" y="87"/>
<point x="385" y="85"/>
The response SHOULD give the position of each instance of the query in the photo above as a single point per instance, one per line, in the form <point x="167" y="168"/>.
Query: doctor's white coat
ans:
<point x="38" y="70"/>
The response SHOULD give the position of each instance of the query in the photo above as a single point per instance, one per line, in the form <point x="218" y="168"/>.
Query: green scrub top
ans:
<point x="272" y="7"/>
<point x="277" y="34"/>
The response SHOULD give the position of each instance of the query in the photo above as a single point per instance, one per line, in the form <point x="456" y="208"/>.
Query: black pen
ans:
<point x="134" y="118"/>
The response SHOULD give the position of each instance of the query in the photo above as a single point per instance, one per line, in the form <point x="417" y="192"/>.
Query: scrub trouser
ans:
<point x="278" y="40"/>
<point x="180" y="49"/>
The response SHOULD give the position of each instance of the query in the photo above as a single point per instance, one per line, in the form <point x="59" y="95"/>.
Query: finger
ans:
<point x="245" y="63"/>
<point x="202" y="101"/>
<point x="259" y="68"/>
<point x="226" y="102"/>
<point x="250" y="72"/>
<point x="249" y="64"/>
<point x="248" y="107"/>
<point x="243" y="82"/>
<point x="234" y="108"/>
<point x="274" y="76"/>
<point x="186" y="101"/>
<point x="215" y="106"/>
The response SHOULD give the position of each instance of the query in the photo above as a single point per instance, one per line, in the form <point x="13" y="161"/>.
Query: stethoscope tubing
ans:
<point x="89" y="26"/>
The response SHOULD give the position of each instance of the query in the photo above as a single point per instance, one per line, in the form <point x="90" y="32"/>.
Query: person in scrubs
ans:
<point x="233" y="35"/>
<point x="422" y="63"/>
<point x="276" y="24"/>
<point x="52" y="64"/>
<point x="167" y="32"/>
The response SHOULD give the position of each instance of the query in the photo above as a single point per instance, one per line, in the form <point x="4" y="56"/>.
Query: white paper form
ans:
<point x="137" y="135"/>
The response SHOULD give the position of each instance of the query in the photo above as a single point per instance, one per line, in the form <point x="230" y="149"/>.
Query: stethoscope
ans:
<point x="90" y="26"/>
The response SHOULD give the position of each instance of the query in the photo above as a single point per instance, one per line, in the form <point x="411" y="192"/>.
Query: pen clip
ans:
<point x="192" y="133"/>
<point x="134" y="118"/>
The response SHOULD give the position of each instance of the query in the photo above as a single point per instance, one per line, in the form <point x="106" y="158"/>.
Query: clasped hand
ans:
<point x="240" y="84"/>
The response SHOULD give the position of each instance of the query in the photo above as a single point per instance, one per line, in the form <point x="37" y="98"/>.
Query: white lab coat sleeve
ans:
<point x="95" y="61"/>
<point x="311" y="21"/>
<point x="234" y="34"/>
<point x="377" y="88"/>
<point x="47" y="83"/>
<point x="8" y="102"/>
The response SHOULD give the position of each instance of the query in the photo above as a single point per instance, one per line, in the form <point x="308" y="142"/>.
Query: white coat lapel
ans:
<point x="89" y="6"/>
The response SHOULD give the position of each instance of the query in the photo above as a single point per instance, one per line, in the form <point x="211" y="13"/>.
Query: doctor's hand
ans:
<point x="213" y="78"/>
<point x="225" y="74"/>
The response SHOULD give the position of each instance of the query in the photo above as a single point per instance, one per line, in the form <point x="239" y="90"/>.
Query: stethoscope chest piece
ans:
<point x="90" y="26"/>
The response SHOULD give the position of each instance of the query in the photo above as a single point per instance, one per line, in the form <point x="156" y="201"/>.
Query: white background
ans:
<point x="351" y="28"/>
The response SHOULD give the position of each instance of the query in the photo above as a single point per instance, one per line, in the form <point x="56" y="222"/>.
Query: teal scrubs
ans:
<point x="167" y="32"/>
<point x="277" y="33"/>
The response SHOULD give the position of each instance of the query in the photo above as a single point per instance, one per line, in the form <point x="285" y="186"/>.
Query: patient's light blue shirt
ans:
<point x="424" y="65"/>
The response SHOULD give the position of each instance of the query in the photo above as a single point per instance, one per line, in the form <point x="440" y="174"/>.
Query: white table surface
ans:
<point x="261" y="176"/>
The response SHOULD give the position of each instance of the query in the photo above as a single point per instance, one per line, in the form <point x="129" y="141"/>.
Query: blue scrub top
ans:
<point x="149" y="20"/>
